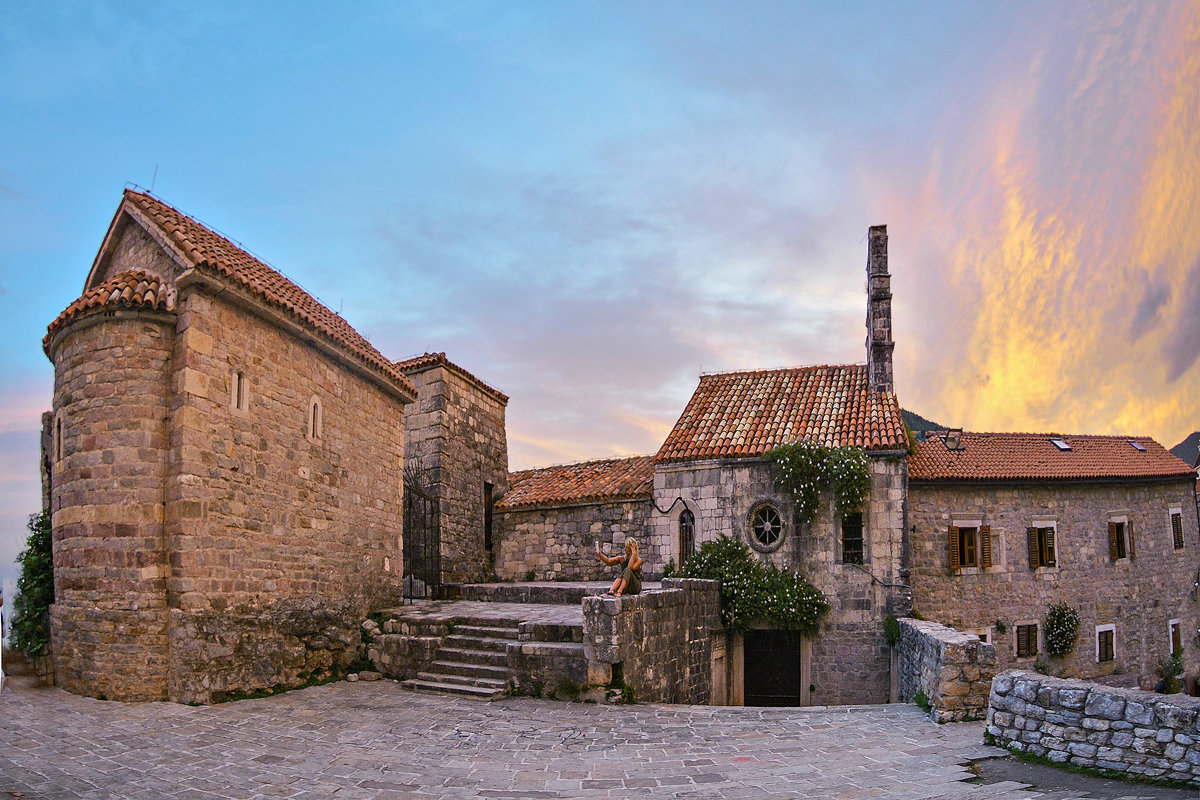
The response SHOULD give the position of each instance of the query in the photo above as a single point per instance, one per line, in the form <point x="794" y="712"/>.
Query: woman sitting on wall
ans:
<point x="630" y="581"/>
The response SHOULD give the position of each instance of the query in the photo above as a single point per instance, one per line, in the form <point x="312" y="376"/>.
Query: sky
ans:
<point x="587" y="205"/>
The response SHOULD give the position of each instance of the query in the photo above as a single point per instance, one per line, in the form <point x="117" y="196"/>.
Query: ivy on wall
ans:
<point x="805" y="469"/>
<point x="752" y="590"/>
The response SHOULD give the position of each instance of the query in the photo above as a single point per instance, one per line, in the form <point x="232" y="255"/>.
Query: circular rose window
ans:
<point x="766" y="528"/>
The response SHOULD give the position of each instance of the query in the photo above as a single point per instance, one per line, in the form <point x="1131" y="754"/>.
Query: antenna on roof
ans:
<point x="154" y="177"/>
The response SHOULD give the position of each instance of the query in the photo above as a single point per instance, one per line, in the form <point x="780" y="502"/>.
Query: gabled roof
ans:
<point x="132" y="289"/>
<point x="745" y="414"/>
<point x="585" y="482"/>
<point x="1033" y="456"/>
<point x="416" y="364"/>
<point x="210" y="253"/>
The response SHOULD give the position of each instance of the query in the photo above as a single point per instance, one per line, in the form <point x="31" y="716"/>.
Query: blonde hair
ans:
<point x="631" y="543"/>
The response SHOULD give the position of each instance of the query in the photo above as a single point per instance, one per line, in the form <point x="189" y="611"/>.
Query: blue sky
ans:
<point x="589" y="204"/>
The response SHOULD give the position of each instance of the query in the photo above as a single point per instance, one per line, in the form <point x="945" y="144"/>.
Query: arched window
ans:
<point x="687" y="536"/>
<point x="316" y="422"/>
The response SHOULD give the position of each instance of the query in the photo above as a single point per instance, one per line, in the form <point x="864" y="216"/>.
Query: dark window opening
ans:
<point x="1176" y="637"/>
<point x="852" y="539"/>
<point x="487" y="519"/>
<point x="687" y="536"/>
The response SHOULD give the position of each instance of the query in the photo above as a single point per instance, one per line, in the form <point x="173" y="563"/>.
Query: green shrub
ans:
<point x="670" y="569"/>
<point x="891" y="630"/>
<point x="752" y="590"/>
<point x="35" y="590"/>
<point x="922" y="701"/>
<point x="1062" y="628"/>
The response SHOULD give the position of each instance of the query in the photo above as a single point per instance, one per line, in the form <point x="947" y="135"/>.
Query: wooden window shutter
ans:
<point x="985" y="546"/>
<point x="1112" y="540"/>
<point x="1022" y="640"/>
<point x="1129" y="535"/>
<point x="1049" y="557"/>
<point x="952" y="540"/>
<point x="1035" y="554"/>
<point x="1177" y="530"/>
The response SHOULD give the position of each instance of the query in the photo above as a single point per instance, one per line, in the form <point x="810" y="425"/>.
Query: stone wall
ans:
<point x="559" y="542"/>
<point x="850" y="658"/>
<point x="456" y="443"/>
<point x="1138" y="595"/>
<point x="108" y="450"/>
<point x="1076" y="722"/>
<point x="660" y="641"/>
<point x="954" y="670"/>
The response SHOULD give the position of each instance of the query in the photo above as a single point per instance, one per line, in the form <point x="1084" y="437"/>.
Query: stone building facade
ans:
<point x="1104" y="526"/>
<point x="457" y="450"/>
<point x="551" y="520"/>
<point x="226" y="461"/>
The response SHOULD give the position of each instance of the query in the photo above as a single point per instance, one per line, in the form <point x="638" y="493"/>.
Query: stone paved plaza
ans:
<point x="375" y="740"/>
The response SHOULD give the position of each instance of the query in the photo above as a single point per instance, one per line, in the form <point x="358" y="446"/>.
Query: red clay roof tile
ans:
<point x="208" y="251"/>
<point x="411" y="366"/>
<point x="1031" y="456"/>
<point x="133" y="289"/>
<point x="585" y="482"/>
<point x="745" y="414"/>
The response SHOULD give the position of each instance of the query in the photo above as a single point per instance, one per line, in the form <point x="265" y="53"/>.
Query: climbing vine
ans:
<point x="753" y="590"/>
<point x="1062" y="627"/>
<point x="805" y="469"/>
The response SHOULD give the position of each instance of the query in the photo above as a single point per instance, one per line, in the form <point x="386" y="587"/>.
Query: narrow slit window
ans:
<point x="58" y="439"/>
<point x="316" y="421"/>
<point x="687" y="536"/>
<point x="240" y="395"/>
<point x="1177" y="528"/>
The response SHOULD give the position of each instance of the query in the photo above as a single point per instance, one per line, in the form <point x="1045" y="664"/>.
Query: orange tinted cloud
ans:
<point x="1053" y="258"/>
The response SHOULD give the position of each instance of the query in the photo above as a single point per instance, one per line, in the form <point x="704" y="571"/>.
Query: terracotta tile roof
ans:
<point x="133" y="289"/>
<point x="210" y="252"/>
<point x="1032" y="456"/>
<point x="744" y="414"/>
<point x="585" y="482"/>
<point x="411" y="366"/>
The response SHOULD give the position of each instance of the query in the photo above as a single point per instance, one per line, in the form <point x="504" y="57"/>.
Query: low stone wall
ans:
<point x="1083" y="723"/>
<point x="558" y="543"/>
<point x="659" y="641"/>
<point x="953" y="669"/>
<point x="290" y="643"/>
<point x="405" y="647"/>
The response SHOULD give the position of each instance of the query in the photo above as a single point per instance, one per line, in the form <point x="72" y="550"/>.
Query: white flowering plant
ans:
<point x="805" y="469"/>
<point x="1062" y="628"/>
<point x="753" y="590"/>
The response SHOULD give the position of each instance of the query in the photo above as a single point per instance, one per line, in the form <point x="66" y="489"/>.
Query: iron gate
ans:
<point x="422" y="545"/>
<point x="772" y="668"/>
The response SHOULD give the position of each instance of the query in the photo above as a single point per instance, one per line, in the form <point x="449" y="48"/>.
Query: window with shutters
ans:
<point x="1106" y="643"/>
<point x="1175" y="634"/>
<point x="852" y="539"/>
<point x="1177" y="527"/>
<point x="969" y="546"/>
<point x="1041" y="542"/>
<point x="1120" y="538"/>
<point x="1027" y="640"/>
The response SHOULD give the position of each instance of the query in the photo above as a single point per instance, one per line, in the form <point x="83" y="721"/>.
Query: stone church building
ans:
<point x="236" y="478"/>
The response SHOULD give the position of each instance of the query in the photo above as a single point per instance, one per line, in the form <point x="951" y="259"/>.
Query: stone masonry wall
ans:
<point x="1076" y="722"/>
<point x="259" y="514"/>
<point x="954" y="670"/>
<point x="661" y="639"/>
<point x="109" y="621"/>
<point x="457" y="442"/>
<point x="1138" y="595"/>
<point x="850" y="658"/>
<point x="559" y="543"/>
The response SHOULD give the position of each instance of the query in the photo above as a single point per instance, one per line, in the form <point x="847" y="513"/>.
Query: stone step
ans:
<point x="466" y="642"/>
<point x="487" y="631"/>
<point x="464" y="680"/>
<point x="416" y="684"/>
<point x="470" y="670"/>
<point x="471" y="656"/>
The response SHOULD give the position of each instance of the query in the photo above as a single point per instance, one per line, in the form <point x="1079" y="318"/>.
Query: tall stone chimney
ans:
<point x="879" y="312"/>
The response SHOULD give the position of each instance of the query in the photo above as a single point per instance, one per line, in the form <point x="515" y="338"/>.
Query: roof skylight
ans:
<point x="1060" y="444"/>
<point x="1141" y="448"/>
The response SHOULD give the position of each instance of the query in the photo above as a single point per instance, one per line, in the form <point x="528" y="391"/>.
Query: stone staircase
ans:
<point x="473" y="661"/>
